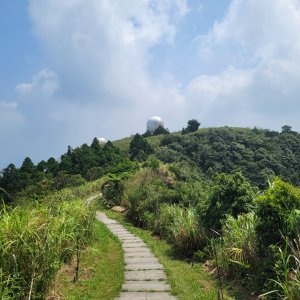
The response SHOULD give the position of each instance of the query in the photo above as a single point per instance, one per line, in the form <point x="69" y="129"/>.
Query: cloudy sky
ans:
<point x="75" y="69"/>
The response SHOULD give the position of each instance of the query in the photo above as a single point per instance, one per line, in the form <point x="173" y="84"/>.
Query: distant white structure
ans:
<point x="102" y="141"/>
<point x="153" y="123"/>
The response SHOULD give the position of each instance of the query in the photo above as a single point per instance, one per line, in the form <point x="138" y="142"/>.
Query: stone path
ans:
<point x="144" y="275"/>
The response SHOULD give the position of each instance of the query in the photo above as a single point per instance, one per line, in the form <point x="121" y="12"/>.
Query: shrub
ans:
<point x="146" y="191"/>
<point x="139" y="148"/>
<point x="275" y="211"/>
<point x="187" y="234"/>
<point x="232" y="195"/>
<point x="35" y="241"/>
<point x="181" y="228"/>
<point x="286" y="284"/>
<point x="239" y="245"/>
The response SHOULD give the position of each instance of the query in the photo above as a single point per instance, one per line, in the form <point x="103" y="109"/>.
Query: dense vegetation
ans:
<point x="76" y="166"/>
<point x="36" y="239"/>
<point x="226" y="195"/>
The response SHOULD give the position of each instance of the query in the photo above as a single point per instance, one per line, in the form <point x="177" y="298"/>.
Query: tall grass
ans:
<point x="286" y="285"/>
<point x="35" y="241"/>
<point x="235" y="251"/>
<point x="182" y="228"/>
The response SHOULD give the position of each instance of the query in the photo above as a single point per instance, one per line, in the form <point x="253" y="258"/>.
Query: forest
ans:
<point x="227" y="197"/>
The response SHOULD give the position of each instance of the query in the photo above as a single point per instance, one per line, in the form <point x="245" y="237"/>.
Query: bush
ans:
<point x="35" y="241"/>
<point x="146" y="191"/>
<point x="187" y="233"/>
<point x="286" y="284"/>
<point x="143" y="194"/>
<point x="277" y="214"/>
<point x="239" y="245"/>
<point x="232" y="195"/>
<point x="112" y="190"/>
<point x="139" y="148"/>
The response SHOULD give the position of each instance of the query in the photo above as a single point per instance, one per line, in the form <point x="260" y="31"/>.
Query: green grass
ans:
<point x="101" y="270"/>
<point x="187" y="280"/>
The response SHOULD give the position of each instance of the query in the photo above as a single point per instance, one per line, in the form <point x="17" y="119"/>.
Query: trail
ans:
<point x="144" y="275"/>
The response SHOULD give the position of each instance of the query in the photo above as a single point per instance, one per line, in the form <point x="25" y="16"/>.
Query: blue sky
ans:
<point x="72" y="70"/>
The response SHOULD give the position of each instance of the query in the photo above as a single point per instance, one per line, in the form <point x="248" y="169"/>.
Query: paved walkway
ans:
<point x="144" y="275"/>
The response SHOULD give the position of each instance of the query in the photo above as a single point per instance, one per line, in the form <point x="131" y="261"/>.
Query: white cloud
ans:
<point x="8" y="105"/>
<point x="10" y="118"/>
<point x="44" y="84"/>
<point x="101" y="53"/>
<point x="101" y="48"/>
<point x="256" y="49"/>
<point x="99" y="56"/>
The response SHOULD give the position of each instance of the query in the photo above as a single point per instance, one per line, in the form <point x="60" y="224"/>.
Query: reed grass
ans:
<point x="34" y="242"/>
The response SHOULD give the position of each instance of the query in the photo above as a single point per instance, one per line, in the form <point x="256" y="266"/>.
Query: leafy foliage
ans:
<point x="139" y="148"/>
<point x="35" y="241"/>
<point x="259" y="154"/>
<point x="192" y="126"/>
<point x="274" y="210"/>
<point x="232" y="195"/>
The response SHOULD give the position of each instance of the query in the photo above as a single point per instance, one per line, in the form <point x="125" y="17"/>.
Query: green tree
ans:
<point x="274" y="210"/>
<point x="27" y="166"/>
<point x="10" y="180"/>
<point x="161" y="130"/>
<point x="192" y="126"/>
<point x="232" y="195"/>
<point x="96" y="145"/>
<point x="139" y="148"/>
<point x="286" y="129"/>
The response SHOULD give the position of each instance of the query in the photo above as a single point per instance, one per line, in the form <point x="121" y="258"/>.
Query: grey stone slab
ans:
<point x="160" y="296"/>
<point x="155" y="275"/>
<point x="138" y="286"/>
<point x="143" y="266"/>
<point x="132" y="296"/>
<point x="108" y="221"/>
<point x="116" y="225"/>
<point x="120" y="230"/>
<point x="134" y="260"/>
<point x="123" y="234"/>
<point x="135" y="275"/>
<point x="145" y="296"/>
<point x="145" y="275"/>
<point x="130" y="239"/>
<point x="138" y="254"/>
<point x="137" y="250"/>
<point x="138" y="247"/>
<point x="133" y="244"/>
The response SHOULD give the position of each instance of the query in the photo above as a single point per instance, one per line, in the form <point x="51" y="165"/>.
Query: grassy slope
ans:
<point x="101" y="270"/>
<point x="188" y="281"/>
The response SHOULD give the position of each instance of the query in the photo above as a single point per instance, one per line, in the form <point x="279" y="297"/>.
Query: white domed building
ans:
<point x="153" y="123"/>
<point x="102" y="141"/>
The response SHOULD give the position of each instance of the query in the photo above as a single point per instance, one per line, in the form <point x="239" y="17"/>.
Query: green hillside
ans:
<point x="226" y="199"/>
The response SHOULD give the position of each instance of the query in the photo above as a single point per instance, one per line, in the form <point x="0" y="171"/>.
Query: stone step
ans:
<point x="146" y="286"/>
<point x="141" y="260"/>
<point x="145" y="296"/>
<point x="133" y="244"/>
<point x="137" y="250"/>
<point x="143" y="266"/>
<point x="138" y="254"/>
<point x="145" y="275"/>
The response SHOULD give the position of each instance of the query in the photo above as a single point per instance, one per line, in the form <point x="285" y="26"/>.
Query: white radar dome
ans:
<point x="153" y="123"/>
<point x="102" y="141"/>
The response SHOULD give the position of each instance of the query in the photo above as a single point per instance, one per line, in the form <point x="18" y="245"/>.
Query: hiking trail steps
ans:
<point x="144" y="275"/>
